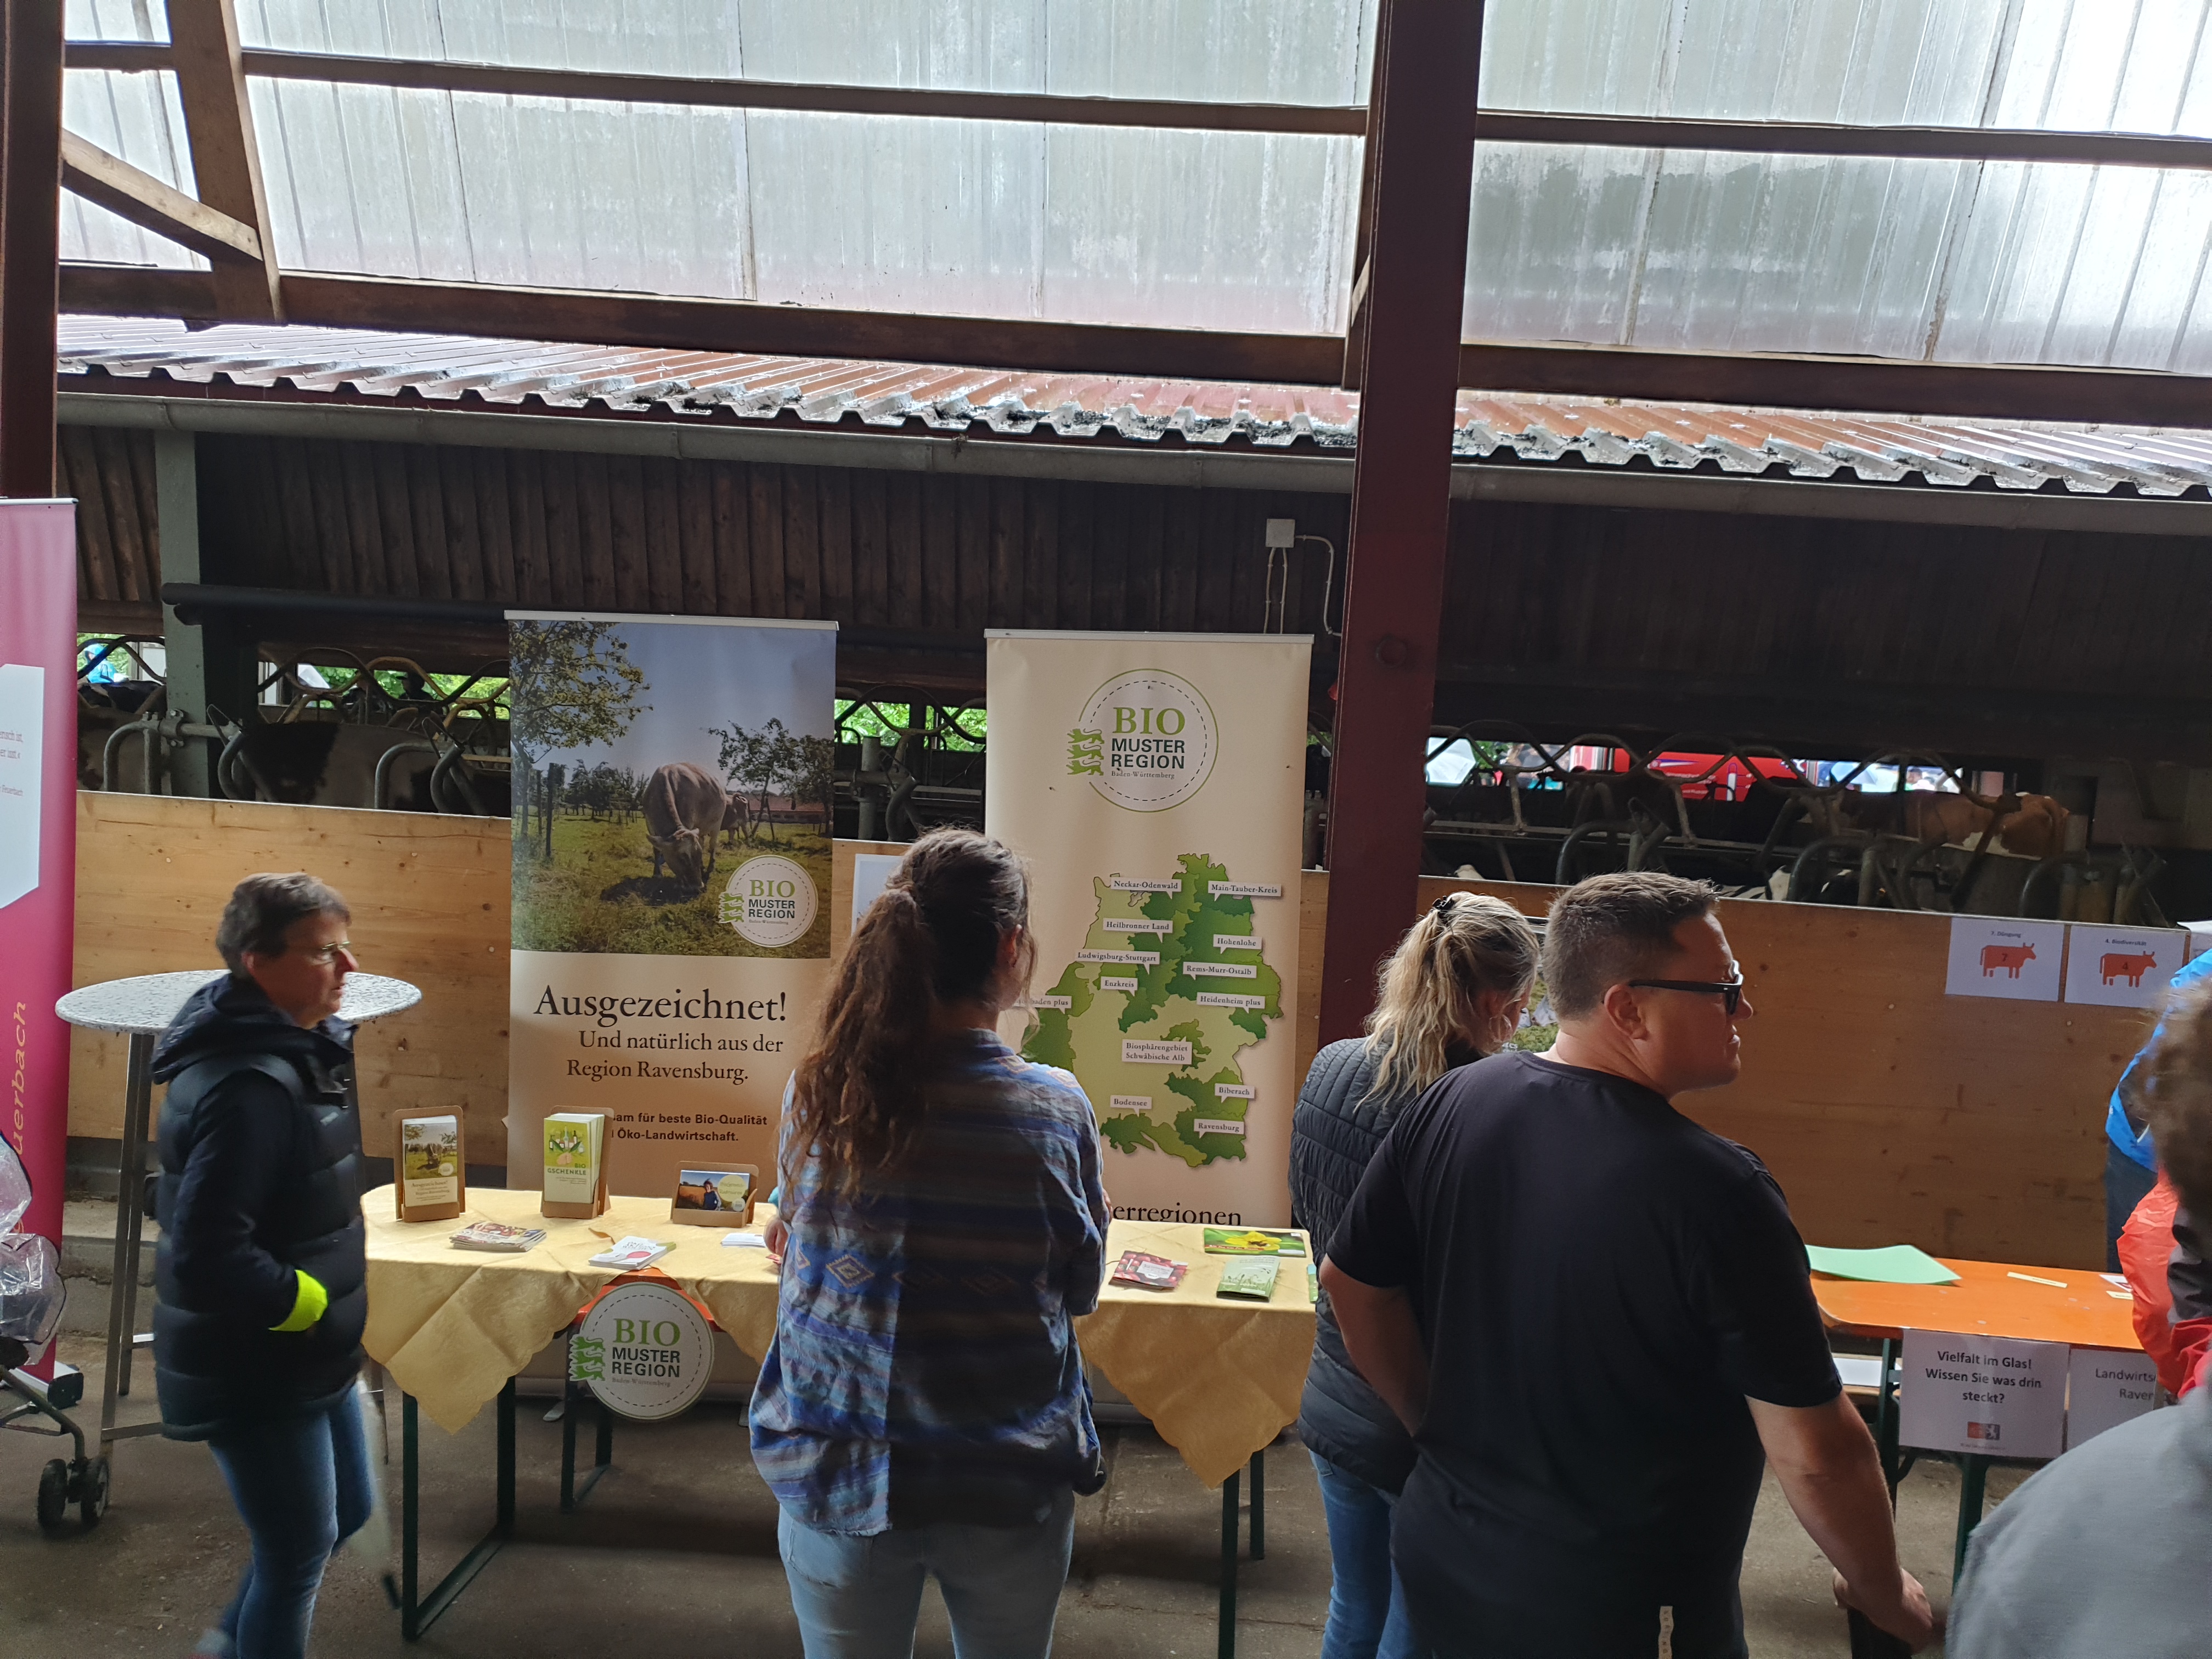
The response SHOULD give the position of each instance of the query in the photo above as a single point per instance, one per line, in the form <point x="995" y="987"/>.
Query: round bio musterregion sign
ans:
<point x="1146" y="740"/>
<point x="770" y="900"/>
<point x="644" y="1350"/>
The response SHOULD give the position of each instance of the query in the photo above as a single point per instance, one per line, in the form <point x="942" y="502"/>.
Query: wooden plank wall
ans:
<point x="430" y="897"/>
<point x="109" y="471"/>
<point x="1618" y="596"/>
<point x="1889" y="1112"/>
<point x="613" y="532"/>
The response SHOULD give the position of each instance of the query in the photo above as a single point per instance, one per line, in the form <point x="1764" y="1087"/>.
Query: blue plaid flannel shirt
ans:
<point x="931" y="1312"/>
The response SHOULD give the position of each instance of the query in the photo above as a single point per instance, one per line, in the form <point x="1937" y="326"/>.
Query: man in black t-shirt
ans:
<point x="1596" y="1317"/>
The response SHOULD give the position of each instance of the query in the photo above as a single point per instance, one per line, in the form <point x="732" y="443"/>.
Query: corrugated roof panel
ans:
<point x="521" y="375"/>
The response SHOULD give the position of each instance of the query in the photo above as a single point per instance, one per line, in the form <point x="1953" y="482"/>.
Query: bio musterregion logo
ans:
<point x="1146" y="741"/>
<point x="770" y="900"/>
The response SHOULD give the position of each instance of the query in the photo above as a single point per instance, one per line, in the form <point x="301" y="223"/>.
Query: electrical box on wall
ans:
<point x="1282" y="532"/>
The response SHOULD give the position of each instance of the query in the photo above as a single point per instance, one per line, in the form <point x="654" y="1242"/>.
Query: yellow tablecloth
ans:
<point x="1219" y="1379"/>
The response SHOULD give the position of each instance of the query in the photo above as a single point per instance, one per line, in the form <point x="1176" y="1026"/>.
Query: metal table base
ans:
<point x="418" y="1612"/>
<point x="1227" y="1640"/>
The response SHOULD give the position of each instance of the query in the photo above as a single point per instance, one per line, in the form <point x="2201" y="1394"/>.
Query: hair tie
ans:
<point x="1443" y="906"/>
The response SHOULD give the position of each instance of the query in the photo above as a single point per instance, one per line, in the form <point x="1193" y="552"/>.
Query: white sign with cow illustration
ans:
<point x="2126" y="967"/>
<point x="671" y="932"/>
<point x="2004" y="956"/>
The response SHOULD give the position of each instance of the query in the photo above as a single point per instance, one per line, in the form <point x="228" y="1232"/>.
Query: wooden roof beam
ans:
<point x="226" y="161"/>
<point x="1491" y="126"/>
<point x="2123" y="397"/>
<point x="113" y="183"/>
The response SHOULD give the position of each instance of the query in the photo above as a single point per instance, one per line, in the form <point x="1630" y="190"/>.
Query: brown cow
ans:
<point x="2010" y="958"/>
<point x="2027" y="826"/>
<point x="683" y="808"/>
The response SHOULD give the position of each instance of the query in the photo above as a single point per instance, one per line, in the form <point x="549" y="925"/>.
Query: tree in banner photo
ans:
<point x="671" y="878"/>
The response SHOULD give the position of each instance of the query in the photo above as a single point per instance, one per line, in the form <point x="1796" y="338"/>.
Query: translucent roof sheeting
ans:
<point x="1957" y="261"/>
<point x="1996" y="262"/>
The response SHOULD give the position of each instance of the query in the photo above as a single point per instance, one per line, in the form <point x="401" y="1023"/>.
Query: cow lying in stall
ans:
<point x="2026" y="826"/>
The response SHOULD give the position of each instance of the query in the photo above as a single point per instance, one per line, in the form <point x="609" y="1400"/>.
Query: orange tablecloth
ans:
<point x="1986" y="1302"/>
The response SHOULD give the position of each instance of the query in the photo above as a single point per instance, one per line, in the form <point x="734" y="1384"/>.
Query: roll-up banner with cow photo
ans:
<point x="671" y="882"/>
<point x="1156" y="783"/>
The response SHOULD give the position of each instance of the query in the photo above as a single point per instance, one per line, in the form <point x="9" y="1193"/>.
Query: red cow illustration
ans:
<point x="2010" y="958"/>
<point x="2114" y="965"/>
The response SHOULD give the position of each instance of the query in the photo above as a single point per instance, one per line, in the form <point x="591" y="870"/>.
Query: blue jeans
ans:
<point x="301" y="1484"/>
<point x="857" y="1598"/>
<point x="1366" y="1609"/>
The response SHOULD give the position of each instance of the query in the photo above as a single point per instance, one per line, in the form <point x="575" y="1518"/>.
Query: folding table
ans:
<point x="2080" y="1311"/>
<point x="1219" y="1379"/>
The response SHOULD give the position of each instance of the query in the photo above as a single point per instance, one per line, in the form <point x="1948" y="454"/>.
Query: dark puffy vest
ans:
<point x="215" y="1368"/>
<point x="1334" y="1132"/>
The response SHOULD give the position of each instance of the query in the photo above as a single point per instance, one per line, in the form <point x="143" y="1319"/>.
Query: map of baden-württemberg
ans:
<point x="1170" y="984"/>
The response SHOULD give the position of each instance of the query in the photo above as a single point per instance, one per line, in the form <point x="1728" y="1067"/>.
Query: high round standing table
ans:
<point x="140" y="1008"/>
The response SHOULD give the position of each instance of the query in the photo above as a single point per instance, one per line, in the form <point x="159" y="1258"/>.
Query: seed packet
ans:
<point x="1148" y="1273"/>
<point x="430" y="1182"/>
<point x="575" y="1169"/>
<point x="1248" y="1281"/>
<point x="632" y="1253"/>
<point x="1253" y="1241"/>
<point x="497" y="1236"/>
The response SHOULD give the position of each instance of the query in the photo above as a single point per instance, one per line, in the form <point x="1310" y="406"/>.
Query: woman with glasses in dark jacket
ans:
<point x="261" y="1267"/>
<point x="1452" y="992"/>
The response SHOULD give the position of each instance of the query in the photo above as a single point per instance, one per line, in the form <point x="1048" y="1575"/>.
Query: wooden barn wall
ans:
<point x="1794" y="630"/>
<point x="605" y="533"/>
<point x="1889" y="1112"/>
<point x="1571" y="590"/>
<point x="109" y="471"/>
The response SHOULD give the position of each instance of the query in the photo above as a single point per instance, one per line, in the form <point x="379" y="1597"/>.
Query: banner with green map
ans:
<point x="1156" y="783"/>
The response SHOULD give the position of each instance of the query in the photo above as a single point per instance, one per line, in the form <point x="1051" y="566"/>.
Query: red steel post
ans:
<point x="30" y="231"/>
<point x="1421" y="116"/>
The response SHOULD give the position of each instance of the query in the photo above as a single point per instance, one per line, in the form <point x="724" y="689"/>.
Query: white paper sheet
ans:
<point x="2000" y="957"/>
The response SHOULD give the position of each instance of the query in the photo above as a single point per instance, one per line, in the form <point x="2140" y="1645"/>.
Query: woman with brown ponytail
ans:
<point x="923" y="1409"/>
<point x="1452" y="992"/>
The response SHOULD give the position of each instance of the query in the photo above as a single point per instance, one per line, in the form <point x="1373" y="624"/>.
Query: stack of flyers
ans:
<point x="1248" y="1281"/>
<point x="497" y="1236"/>
<point x="632" y="1253"/>
<point x="1253" y="1241"/>
<point x="1149" y="1272"/>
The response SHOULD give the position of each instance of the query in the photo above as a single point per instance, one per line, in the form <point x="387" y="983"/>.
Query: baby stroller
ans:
<point x="30" y="1308"/>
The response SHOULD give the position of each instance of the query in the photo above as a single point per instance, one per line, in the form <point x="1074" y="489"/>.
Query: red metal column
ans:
<point x="1421" y="119"/>
<point x="30" y="230"/>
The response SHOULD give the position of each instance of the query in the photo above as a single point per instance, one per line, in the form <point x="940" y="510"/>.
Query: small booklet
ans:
<point x="1253" y="1241"/>
<point x="1149" y="1273"/>
<point x="1248" y="1281"/>
<point x="745" y="1241"/>
<point x="632" y="1253"/>
<point x="497" y="1236"/>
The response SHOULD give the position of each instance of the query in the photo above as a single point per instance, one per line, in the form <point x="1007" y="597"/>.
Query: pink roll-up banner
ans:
<point x="38" y="839"/>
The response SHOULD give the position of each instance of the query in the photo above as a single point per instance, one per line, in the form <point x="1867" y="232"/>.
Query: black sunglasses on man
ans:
<point x="1730" y="991"/>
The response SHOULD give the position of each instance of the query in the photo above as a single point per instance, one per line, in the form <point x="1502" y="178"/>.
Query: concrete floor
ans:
<point x="674" y="1555"/>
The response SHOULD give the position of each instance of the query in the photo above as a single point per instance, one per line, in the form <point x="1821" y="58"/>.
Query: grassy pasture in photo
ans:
<point x="599" y="893"/>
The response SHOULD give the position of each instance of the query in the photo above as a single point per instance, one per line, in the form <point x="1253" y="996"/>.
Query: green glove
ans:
<point x="313" y="1302"/>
